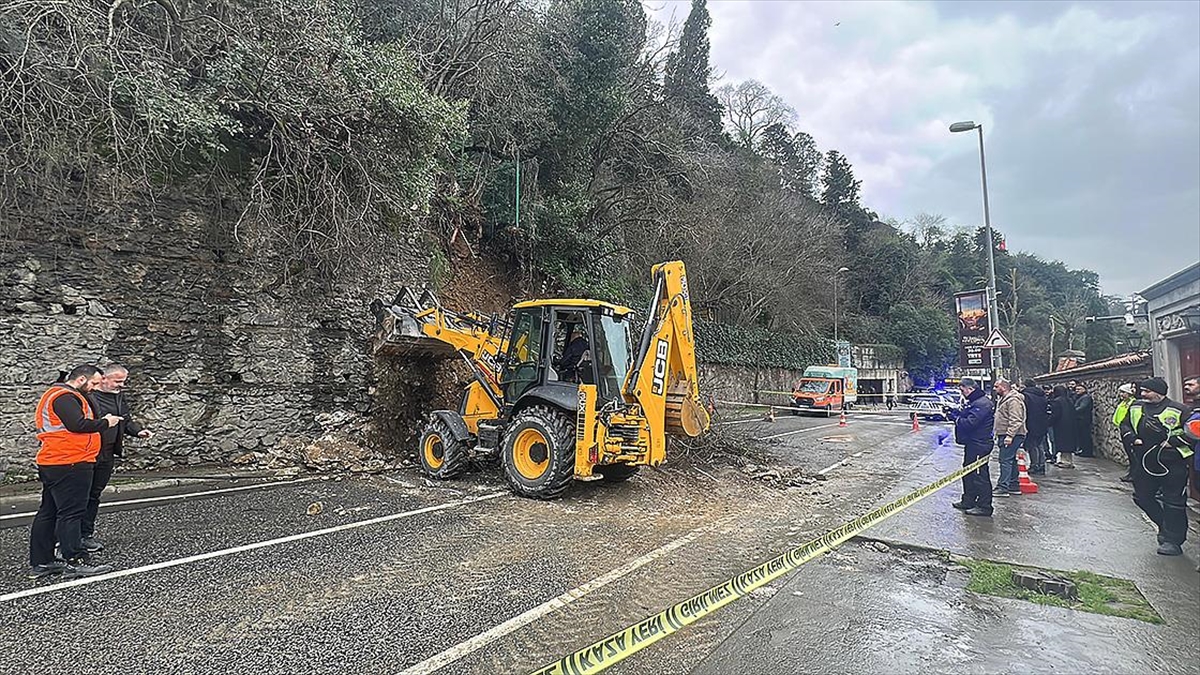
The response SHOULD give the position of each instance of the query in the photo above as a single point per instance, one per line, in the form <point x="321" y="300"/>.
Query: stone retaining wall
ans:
<point x="225" y="358"/>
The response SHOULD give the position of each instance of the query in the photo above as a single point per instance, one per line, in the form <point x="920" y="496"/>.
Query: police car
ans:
<point x="940" y="407"/>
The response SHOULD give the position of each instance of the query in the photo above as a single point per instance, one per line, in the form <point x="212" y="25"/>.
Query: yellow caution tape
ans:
<point x="625" y="643"/>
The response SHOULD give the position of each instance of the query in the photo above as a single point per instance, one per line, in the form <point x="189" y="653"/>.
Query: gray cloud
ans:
<point x="1091" y="114"/>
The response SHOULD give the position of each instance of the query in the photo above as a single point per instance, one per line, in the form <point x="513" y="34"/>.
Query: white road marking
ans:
<point x="240" y="549"/>
<point x="487" y="637"/>
<point x="835" y="465"/>
<point x="742" y="421"/>
<point x="182" y="495"/>
<point x="797" y="431"/>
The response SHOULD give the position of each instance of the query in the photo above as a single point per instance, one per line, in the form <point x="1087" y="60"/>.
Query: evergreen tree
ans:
<point x="840" y="187"/>
<point x="796" y="156"/>
<point x="687" y="72"/>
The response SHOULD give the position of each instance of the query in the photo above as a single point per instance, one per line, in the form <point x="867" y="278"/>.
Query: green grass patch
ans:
<point x="1097" y="593"/>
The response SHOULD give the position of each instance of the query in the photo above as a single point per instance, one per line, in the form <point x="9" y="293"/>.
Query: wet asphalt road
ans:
<point x="385" y="596"/>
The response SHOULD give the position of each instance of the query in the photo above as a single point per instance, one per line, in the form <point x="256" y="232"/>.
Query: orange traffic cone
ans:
<point x="842" y="420"/>
<point x="916" y="424"/>
<point x="1028" y="487"/>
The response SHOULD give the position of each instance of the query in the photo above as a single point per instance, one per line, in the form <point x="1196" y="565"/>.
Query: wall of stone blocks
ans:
<point x="224" y="358"/>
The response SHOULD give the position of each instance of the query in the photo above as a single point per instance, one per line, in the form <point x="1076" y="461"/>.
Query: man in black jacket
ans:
<point x="1083" y="420"/>
<point x="110" y="399"/>
<point x="973" y="429"/>
<point x="1037" y="423"/>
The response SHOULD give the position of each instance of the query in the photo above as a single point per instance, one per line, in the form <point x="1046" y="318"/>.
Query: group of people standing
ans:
<point x="81" y="422"/>
<point x="1159" y="435"/>
<point x="1060" y="421"/>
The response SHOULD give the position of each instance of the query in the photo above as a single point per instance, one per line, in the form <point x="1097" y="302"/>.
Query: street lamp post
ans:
<point x="993" y="320"/>
<point x="835" y="304"/>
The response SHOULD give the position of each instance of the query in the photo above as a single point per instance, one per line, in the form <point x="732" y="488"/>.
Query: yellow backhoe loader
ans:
<point x="560" y="391"/>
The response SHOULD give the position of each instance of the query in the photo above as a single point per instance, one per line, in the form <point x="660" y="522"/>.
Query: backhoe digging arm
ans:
<point x="664" y="379"/>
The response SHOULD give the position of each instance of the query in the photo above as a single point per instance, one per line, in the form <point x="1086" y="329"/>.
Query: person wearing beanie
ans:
<point x="1191" y="428"/>
<point x="1154" y="429"/>
<point x="1083" y="421"/>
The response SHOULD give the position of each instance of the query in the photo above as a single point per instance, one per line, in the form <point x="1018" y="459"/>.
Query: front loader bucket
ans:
<point x="685" y="416"/>
<point x="399" y="326"/>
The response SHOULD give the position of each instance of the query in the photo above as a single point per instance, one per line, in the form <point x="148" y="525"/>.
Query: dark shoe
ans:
<point x="977" y="511"/>
<point x="1127" y="478"/>
<point x="960" y="506"/>
<point x="1170" y="549"/>
<point x="47" y="570"/>
<point x="999" y="493"/>
<point x="82" y="568"/>
<point x="92" y="545"/>
<point x="1015" y="493"/>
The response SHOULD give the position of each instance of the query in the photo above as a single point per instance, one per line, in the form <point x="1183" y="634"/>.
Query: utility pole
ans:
<point x="835" y="305"/>
<point x="993" y="321"/>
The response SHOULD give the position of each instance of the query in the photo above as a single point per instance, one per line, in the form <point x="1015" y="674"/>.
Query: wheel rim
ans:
<point x="531" y="454"/>
<point x="434" y="451"/>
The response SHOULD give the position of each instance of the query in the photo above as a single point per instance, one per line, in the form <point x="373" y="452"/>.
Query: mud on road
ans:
<point x="445" y="569"/>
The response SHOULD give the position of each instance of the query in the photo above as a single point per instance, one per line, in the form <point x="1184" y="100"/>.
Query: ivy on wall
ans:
<point x="757" y="347"/>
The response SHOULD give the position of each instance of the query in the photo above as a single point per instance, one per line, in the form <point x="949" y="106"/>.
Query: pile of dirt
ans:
<point x="343" y="445"/>
<point x="481" y="284"/>
<point x="408" y="387"/>
<point x="782" y="476"/>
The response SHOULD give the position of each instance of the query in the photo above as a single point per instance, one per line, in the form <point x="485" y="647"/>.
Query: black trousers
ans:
<point x="977" y="485"/>
<point x="1163" y="498"/>
<point x="1086" y="447"/>
<point x="59" y="518"/>
<point x="100" y="477"/>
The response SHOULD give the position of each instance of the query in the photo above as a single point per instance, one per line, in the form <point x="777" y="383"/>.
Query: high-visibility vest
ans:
<point x="1171" y="419"/>
<point x="1191" y="429"/>
<point x="60" y="446"/>
<point x="1122" y="412"/>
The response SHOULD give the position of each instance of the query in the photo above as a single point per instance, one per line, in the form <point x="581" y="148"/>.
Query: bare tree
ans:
<point x="321" y="140"/>
<point x="750" y="107"/>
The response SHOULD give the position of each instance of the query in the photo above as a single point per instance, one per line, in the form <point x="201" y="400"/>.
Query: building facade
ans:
<point x="880" y="371"/>
<point x="1173" y="305"/>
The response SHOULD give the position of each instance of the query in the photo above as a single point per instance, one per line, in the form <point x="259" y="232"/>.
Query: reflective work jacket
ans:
<point x="1121" y="412"/>
<point x="59" y="445"/>
<point x="1164" y="427"/>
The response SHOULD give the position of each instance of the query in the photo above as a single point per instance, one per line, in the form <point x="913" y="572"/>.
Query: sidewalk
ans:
<point x="860" y="610"/>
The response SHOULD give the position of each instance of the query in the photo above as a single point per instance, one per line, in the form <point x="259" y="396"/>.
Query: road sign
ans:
<point x="997" y="341"/>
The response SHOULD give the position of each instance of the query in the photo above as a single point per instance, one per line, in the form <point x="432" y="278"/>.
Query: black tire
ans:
<point x="442" y="457"/>
<point x="539" y="452"/>
<point x="616" y="473"/>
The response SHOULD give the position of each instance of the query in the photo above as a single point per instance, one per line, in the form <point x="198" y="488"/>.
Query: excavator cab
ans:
<point x="561" y="390"/>
<point x="561" y="346"/>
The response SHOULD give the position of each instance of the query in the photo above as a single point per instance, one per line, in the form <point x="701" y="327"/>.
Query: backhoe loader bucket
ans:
<point x="398" y="326"/>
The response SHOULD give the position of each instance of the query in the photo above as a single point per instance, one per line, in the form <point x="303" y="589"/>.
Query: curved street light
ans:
<point x="993" y="321"/>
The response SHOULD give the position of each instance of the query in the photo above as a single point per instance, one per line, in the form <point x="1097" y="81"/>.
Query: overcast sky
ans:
<point x="1091" y="114"/>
